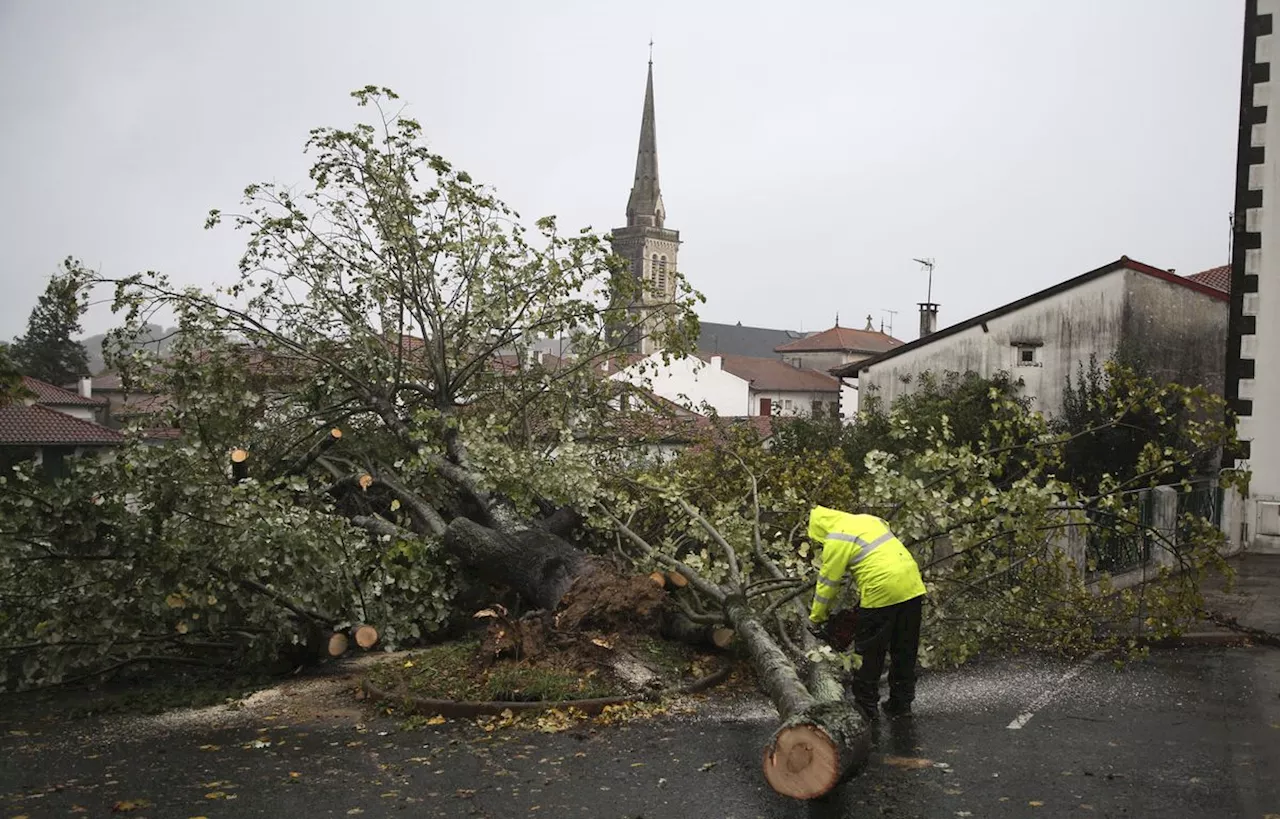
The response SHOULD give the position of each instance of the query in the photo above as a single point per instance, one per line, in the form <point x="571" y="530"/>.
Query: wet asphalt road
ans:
<point x="1187" y="733"/>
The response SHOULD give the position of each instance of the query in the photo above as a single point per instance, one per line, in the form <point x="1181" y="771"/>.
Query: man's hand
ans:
<point x="818" y="630"/>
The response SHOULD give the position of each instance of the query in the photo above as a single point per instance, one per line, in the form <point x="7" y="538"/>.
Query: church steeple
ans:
<point x="646" y="243"/>
<point x="644" y="207"/>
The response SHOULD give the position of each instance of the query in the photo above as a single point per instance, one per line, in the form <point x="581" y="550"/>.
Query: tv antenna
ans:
<point x="927" y="264"/>
<point x="891" y="313"/>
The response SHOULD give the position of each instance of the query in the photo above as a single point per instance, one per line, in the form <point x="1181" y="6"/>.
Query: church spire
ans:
<point x="644" y="208"/>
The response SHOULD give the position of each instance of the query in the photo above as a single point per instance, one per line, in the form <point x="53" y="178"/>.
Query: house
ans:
<point x="119" y="400"/>
<point x="837" y="347"/>
<point x="735" y="385"/>
<point x="49" y="425"/>
<point x="1219" y="278"/>
<point x="1176" y="326"/>
<point x="1253" y="347"/>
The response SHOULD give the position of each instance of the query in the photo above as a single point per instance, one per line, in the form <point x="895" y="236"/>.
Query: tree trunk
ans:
<point x="823" y="739"/>
<point x="536" y="564"/>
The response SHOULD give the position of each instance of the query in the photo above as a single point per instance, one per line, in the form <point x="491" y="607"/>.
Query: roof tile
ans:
<point x="46" y="393"/>
<point x="773" y="374"/>
<point x="842" y="339"/>
<point x="38" y="425"/>
<point x="1219" y="278"/>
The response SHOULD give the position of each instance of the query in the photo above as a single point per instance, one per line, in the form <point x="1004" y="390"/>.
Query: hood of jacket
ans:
<point x="822" y="520"/>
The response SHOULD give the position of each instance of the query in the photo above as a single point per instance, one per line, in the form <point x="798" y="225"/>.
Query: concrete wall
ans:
<point x="801" y="402"/>
<point x="1060" y="331"/>
<point x="1179" y="334"/>
<point x="690" y="382"/>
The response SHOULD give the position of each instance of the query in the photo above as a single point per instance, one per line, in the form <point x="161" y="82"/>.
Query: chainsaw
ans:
<point x="839" y="629"/>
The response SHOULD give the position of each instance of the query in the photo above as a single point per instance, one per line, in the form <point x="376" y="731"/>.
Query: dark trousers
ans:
<point x="892" y="630"/>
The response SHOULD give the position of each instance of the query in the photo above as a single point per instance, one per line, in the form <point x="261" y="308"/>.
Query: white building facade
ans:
<point x="1176" y="326"/>
<point x="1253" y="353"/>
<point x="736" y="386"/>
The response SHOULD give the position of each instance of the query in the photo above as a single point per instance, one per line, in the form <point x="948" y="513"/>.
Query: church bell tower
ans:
<point x="649" y="247"/>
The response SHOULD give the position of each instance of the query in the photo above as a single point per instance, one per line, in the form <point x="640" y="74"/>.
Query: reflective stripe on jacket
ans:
<point x="864" y="547"/>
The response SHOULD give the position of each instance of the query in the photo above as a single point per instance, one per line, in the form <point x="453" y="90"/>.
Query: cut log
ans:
<point x="675" y="626"/>
<point x="823" y="739"/>
<point x="722" y="637"/>
<point x="677" y="580"/>
<point x="815" y="750"/>
<point x="366" y="636"/>
<point x="239" y="465"/>
<point x="309" y="457"/>
<point x="659" y="579"/>
<point x="338" y="644"/>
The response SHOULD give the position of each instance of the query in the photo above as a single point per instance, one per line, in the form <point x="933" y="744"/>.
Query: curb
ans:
<point x="1200" y="639"/>
<point x="456" y="709"/>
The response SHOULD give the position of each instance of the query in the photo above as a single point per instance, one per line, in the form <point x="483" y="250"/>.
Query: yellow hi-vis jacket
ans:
<point x="883" y="570"/>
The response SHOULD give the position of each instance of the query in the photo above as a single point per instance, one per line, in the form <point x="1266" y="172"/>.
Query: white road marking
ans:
<point x="1043" y="700"/>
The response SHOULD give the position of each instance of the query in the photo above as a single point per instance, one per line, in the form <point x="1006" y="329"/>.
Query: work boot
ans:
<point x="869" y="712"/>
<point x="896" y="710"/>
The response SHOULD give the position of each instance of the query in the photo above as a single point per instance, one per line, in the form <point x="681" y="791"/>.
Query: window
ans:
<point x="786" y="403"/>
<point x="1026" y="354"/>
<point x="653" y="267"/>
<point x="662" y="274"/>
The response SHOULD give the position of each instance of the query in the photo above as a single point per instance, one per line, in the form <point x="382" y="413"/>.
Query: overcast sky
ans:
<point x="808" y="151"/>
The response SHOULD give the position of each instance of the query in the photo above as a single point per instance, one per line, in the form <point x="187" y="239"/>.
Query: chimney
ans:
<point x="928" y="318"/>
<point x="717" y="361"/>
<point x="86" y="387"/>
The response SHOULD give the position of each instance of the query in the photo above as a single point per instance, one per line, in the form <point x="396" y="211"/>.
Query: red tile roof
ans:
<point x="841" y="339"/>
<point x="772" y="374"/>
<point x="1219" y="278"/>
<point x="46" y="393"/>
<point x="38" y="425"/>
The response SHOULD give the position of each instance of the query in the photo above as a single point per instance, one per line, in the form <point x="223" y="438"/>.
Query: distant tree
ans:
<point x="48" y="351"/>
<point x="10" y="379"/>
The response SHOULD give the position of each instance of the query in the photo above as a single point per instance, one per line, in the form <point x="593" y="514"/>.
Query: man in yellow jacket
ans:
<point x="891" y="592"/>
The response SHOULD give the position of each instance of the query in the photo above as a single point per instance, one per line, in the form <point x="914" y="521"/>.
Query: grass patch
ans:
<point x="449" y="671"/>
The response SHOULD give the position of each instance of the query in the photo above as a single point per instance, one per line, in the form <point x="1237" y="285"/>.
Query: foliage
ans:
<point x="1113" y="414"/>
<point x="48" y="351"/>
<point x="997" y="531"/>
<point x="152" y="555"/>
<point x="11" y="388"/>
<point x="964" y="404"/>
<point x="392" y="298"/>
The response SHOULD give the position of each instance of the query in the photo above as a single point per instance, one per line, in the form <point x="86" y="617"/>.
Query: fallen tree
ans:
<point x="404" y="454"/>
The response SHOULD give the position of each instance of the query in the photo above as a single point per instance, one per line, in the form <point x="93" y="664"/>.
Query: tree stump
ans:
<point x="814" y="751"/>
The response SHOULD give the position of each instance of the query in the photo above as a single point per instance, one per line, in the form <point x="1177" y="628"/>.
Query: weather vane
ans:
<point x="651" y="51"/>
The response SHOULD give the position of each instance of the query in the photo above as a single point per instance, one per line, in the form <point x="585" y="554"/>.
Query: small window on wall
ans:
<point x="1027" y="355"/>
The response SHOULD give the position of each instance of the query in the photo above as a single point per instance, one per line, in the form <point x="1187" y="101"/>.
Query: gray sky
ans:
<point x="806" y="155"/>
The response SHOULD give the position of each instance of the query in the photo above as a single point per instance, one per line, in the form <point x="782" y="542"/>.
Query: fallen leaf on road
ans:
<point x="129" y="805"/>
<point x="210" y="747"/>
<point x="708" y="766"/>
<point x="908" y="762"/>
<point x="1035" y="803"/>
<point x="354" y="811"/>
<point x="464" y="793"/>
<point x="436" y="720"/>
